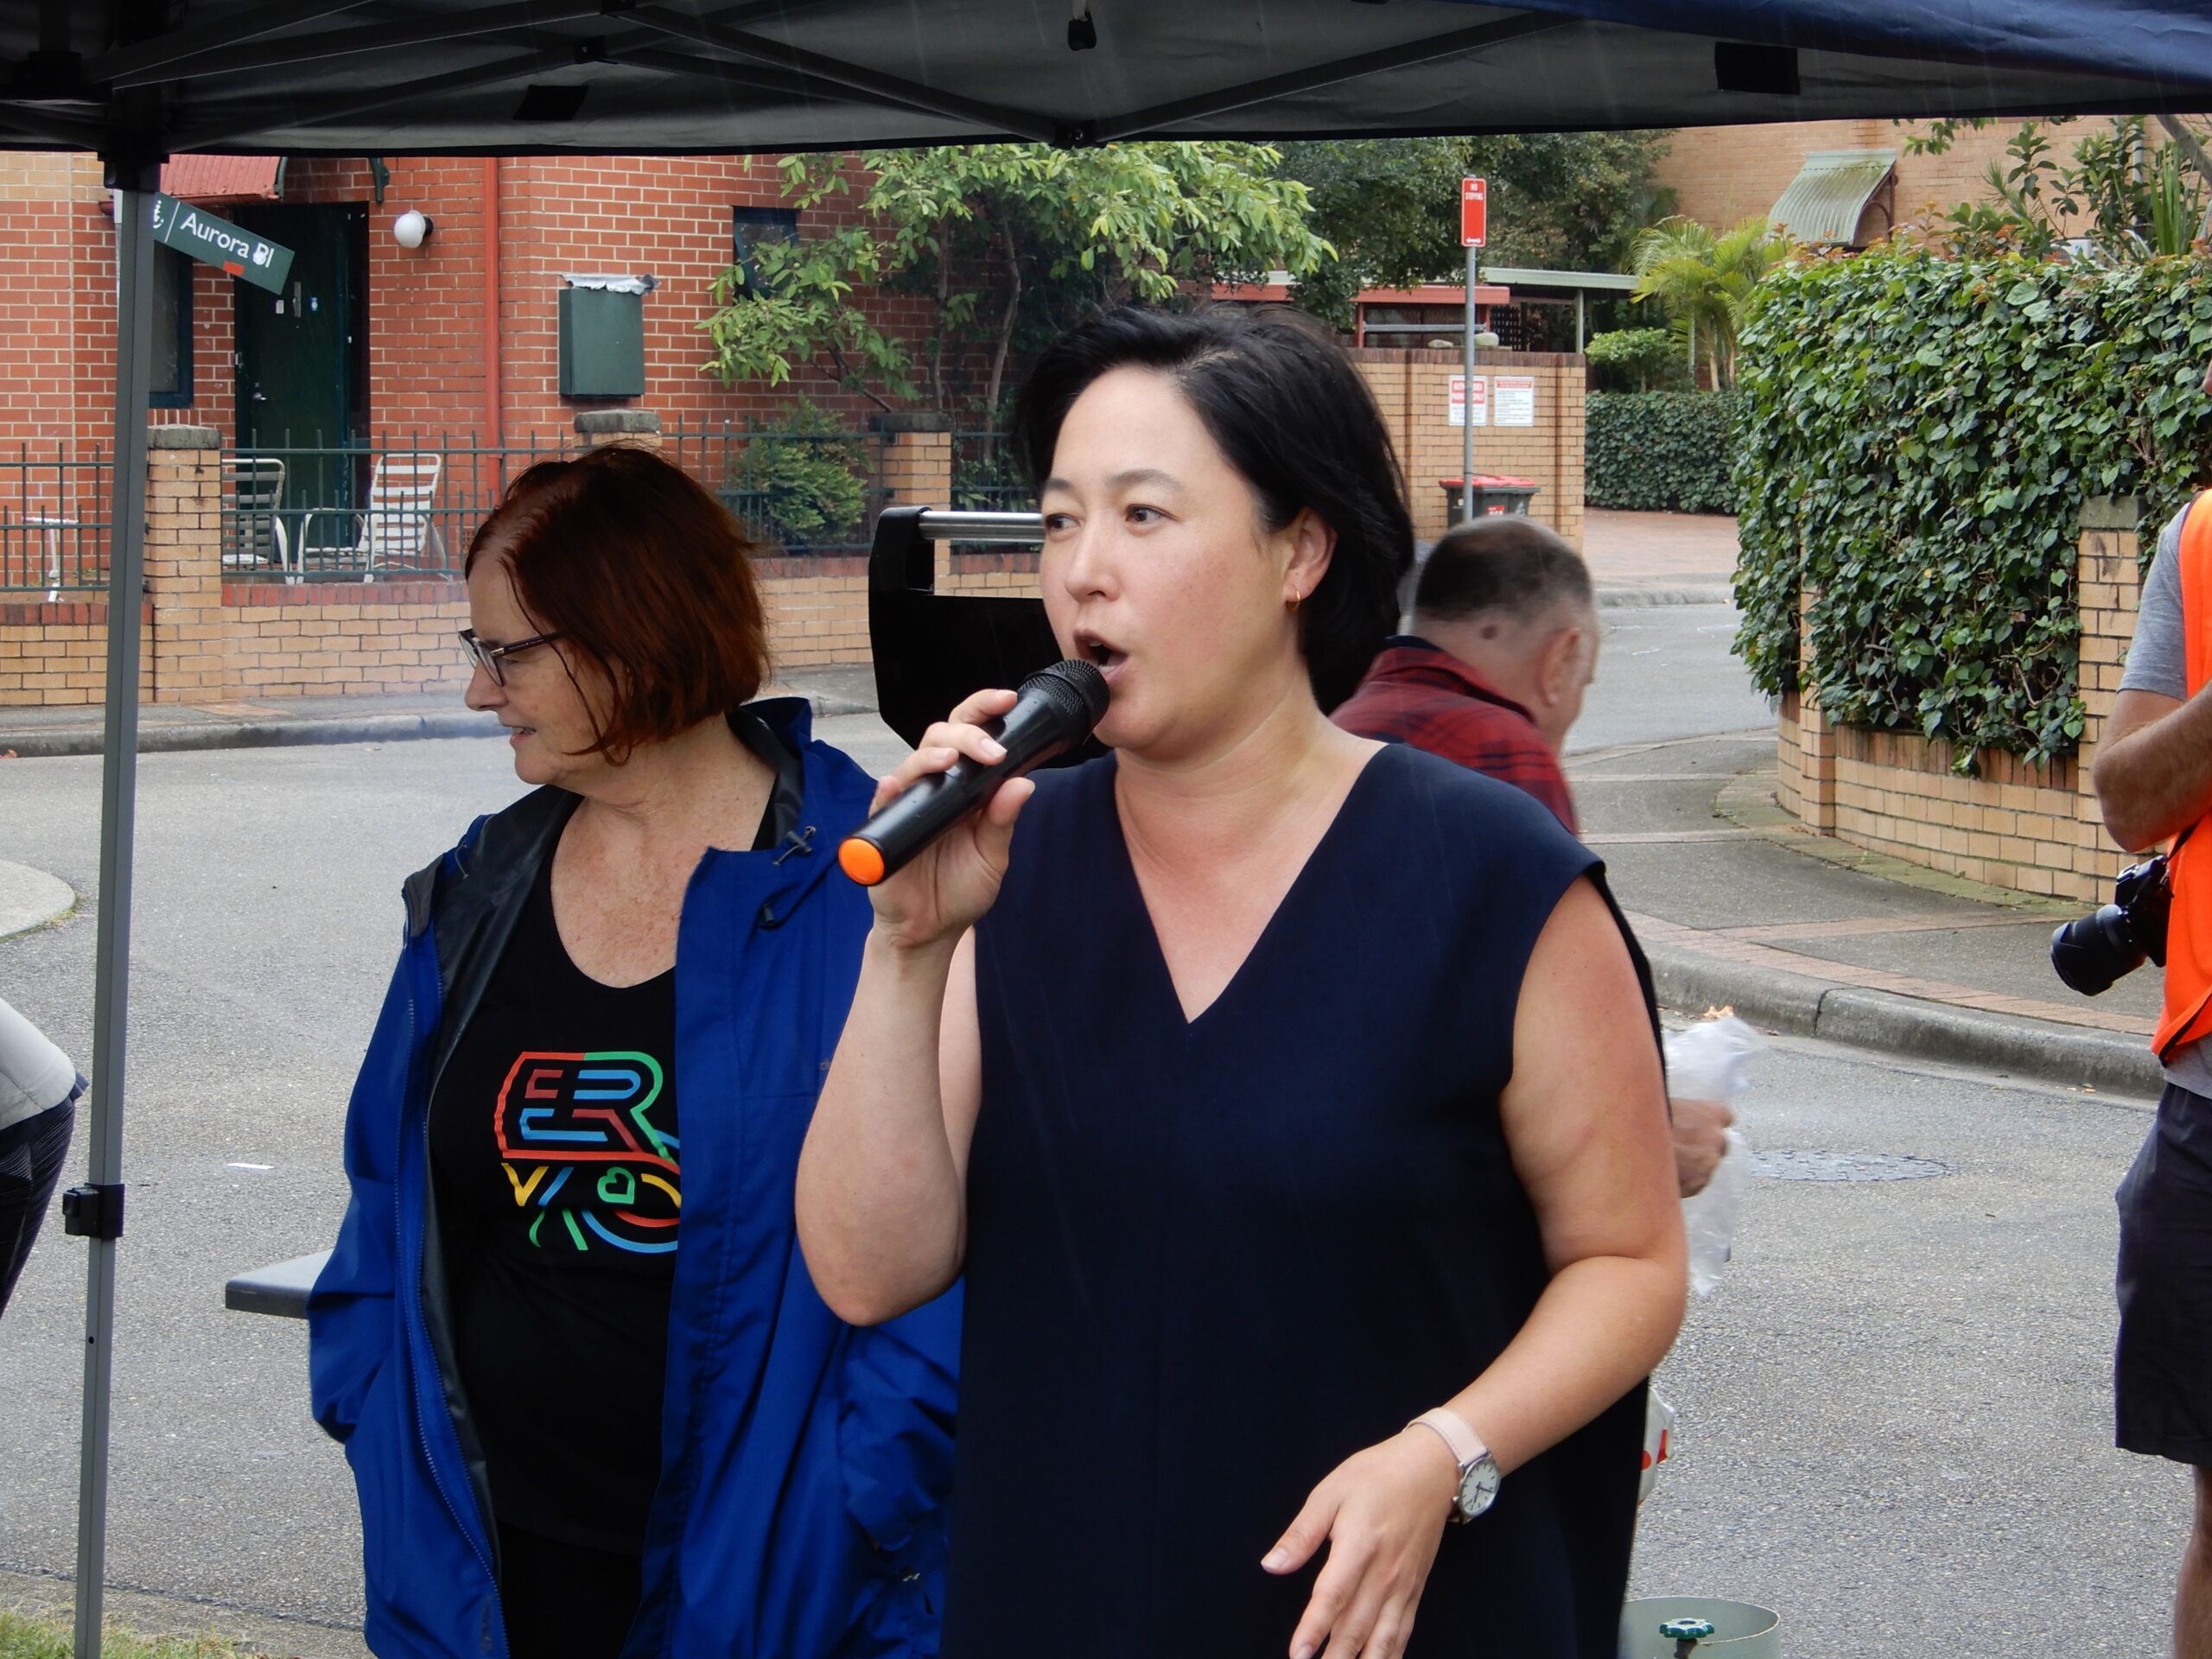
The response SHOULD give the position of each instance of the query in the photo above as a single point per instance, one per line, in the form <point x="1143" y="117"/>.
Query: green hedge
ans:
<point x="1659" y="451"/>
<point x="1915" y="440"/>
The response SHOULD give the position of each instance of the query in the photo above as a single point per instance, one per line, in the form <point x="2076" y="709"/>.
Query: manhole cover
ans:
<point x="1788" y="1165"/>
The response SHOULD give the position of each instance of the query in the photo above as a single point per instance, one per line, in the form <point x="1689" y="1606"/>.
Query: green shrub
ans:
<point x="1917" y="437"/>
<point x="1659" y="451"/>
<point x="1639" y="359"/>
<point x="800" y="479"/>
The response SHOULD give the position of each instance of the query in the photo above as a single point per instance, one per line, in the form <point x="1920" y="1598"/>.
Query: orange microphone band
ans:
<point x="862" y="860"/>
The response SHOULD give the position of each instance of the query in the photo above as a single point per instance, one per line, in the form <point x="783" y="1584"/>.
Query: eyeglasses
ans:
<point x="493" y="659"/>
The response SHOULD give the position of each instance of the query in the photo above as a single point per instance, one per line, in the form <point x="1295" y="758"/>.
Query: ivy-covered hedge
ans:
<point x="1917" y="437"/>
<point x="1658" y="451"/>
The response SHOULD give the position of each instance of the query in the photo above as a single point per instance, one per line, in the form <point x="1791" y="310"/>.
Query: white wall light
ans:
<point x="412" y="229"/>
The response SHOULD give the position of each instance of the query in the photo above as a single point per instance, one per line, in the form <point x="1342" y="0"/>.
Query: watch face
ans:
<point x="1479" y="1487"/>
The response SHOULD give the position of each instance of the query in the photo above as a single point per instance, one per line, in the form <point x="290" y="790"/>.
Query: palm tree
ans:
<point x="1705" y="282"/>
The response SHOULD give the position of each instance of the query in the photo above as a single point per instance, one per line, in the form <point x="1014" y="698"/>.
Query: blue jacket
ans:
<point x="805" y="1462"/>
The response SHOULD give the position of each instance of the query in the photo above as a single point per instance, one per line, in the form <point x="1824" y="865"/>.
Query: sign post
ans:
<point x="1474" y="225"/>
<point x="195" y="231"/>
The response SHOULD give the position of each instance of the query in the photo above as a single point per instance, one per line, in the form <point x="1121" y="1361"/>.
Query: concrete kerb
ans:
<point x="1804" y="1005"/>
<point x="34" y="744"/>
<point x="31" y="899"/>
<point x="1626" y="598"/>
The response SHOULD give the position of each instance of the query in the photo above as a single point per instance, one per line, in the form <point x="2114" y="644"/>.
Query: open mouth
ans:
<point x="1104" y="657"/>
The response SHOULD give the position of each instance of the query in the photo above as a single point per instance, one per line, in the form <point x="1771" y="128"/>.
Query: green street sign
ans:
<point x="195" y="231"/>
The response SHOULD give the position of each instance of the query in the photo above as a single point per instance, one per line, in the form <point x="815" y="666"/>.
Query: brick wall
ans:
<point x="668" y="215"/>
<point x="1413" y="389"/>
<point x="1721" y="175"/>
<point x="2034" y="829"/>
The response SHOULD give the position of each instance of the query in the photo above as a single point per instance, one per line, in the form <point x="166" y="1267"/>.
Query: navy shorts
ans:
<point x="2162" y="1375"/>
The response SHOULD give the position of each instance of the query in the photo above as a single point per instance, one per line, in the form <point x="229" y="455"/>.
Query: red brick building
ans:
<point x="397" y="339"/>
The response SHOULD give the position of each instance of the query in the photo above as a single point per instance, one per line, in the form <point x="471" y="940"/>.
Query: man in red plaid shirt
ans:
<point x="1504" y="643"/>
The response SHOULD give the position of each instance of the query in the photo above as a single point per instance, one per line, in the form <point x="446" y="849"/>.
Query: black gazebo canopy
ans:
<point x="135" y="79"/>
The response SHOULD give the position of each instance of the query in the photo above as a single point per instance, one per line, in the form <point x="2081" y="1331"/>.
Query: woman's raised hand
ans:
<point x="1382" y="1512"/>
<point x="948" y="886"/>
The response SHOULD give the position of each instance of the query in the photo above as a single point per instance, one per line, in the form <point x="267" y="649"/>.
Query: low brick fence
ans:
<point x="212" y="636"/>
<point x="2034" y="830"/>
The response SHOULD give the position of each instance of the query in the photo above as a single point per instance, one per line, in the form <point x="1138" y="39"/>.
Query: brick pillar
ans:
<point x="2108" y="586"/>
<point x="638" y="427"/>
<point x="1815" y="738"/>
<point x="185" y="653"/>
<point x="914" y="466"/>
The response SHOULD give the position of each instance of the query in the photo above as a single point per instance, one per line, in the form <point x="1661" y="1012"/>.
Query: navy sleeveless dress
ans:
<point x="1208" y="1261"/>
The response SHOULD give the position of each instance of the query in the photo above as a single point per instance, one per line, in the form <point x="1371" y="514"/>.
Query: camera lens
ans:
<point x="2090" y="954"/>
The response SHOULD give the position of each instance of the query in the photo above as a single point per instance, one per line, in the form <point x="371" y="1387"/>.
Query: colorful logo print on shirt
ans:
<point x="577" y="1140"/>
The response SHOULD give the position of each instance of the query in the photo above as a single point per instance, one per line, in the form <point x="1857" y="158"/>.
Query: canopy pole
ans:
<point x="134" y="267"/>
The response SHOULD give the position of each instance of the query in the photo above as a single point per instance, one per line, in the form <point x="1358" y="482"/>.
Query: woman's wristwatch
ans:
<point x="1478" y="1471"/>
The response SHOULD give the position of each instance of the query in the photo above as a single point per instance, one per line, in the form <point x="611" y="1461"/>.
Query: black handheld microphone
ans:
<point x="1055" y="711"/>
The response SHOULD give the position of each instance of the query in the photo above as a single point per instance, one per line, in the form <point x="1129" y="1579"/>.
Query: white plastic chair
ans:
<point x="257" y="485"/>
<point x="50" y="525"/>
<point x="395" y="526"/>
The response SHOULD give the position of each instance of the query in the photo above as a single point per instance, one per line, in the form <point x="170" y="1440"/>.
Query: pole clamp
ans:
<point x="94" y="1211"/>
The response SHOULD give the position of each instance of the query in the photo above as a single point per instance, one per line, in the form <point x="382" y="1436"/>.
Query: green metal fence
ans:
<point x="53" y="507"/>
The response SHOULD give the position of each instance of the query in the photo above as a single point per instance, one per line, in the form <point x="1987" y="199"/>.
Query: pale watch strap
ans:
<point x="1451" y="1428"/>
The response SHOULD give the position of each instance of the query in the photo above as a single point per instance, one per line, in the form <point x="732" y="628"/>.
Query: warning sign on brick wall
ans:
<point x="1516" y="400"/>
<point x="1457" y="413"/>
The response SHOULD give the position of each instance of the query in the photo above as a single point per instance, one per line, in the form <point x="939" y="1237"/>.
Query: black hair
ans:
<point x="1510" y="563"/>
<point x="1297" y="422"/>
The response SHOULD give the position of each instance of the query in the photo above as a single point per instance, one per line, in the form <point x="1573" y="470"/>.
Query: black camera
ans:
<point x="2113" y="943"/>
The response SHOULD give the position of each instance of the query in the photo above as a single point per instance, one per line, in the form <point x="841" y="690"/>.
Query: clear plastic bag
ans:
<point x="1711" y="1061"/>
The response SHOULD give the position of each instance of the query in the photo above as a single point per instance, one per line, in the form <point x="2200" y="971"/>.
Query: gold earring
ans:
<point x="1295" y="599"/>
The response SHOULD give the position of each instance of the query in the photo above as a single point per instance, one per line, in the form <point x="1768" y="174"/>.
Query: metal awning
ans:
<point x="1824" y="201"/>
<point x="224" y="178"/>
<point x="1515" y="277"/>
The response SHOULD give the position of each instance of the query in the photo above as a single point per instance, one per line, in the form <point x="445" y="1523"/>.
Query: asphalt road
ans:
<point x="1664" y="672"/>
<point x="1894" y="1412"/>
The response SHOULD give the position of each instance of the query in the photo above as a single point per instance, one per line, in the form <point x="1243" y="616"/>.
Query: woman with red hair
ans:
<point x="593" y="1404"/>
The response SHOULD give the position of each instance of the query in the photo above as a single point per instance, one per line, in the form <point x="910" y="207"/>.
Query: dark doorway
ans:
<point x="302" y="356"/>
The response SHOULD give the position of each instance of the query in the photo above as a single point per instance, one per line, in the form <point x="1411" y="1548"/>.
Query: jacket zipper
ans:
<point x="422" y="1430"/>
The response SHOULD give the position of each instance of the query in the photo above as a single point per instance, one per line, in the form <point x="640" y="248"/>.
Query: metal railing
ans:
<point x="396" y="506"/>
<point x="405" y="505"/>
<point x="987" y="477"/>
<point x="54" y="501"/>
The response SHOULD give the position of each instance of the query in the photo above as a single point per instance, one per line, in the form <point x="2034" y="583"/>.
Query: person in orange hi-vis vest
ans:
<point x="2154" y="784"/>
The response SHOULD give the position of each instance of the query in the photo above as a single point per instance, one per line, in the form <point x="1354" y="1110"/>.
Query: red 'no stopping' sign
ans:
<point x="1474" y="206"/>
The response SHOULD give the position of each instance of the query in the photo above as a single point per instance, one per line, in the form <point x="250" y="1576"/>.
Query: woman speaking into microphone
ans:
<point x="1285" y="1097"/>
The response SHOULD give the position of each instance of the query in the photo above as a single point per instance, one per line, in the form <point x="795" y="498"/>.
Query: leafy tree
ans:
<point x="2117" y="197"/>
<point x="1390" y="206"/>
<point x="1636" y="359"/>
<point x="1705" y="282"/>
<point x="1007" y="245"/>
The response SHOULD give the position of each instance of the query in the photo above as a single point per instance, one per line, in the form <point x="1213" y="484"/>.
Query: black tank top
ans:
<point x="1208" y="1261"/>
